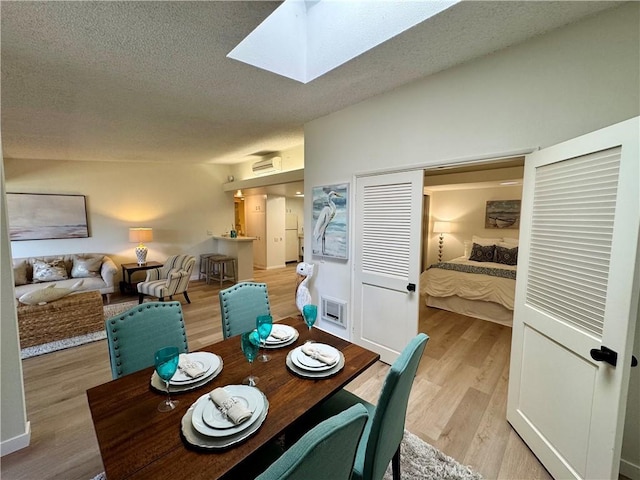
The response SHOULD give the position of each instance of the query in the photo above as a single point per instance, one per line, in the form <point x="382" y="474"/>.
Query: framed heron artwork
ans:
<point x="330" y="221"/>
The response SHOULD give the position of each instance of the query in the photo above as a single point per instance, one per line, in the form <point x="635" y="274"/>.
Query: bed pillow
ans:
<point x="467" y="248"/>
<point x="84" y="267"/>
<point x="511" y="241"/>
<point x="482" y="253"/>
<point x="507" y="256"/>
<point x="485" y="241"/>
<point x="20" y="273"/>
<point x="49" y="271"/>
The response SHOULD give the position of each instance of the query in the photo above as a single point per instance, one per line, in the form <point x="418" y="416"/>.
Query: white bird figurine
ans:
<point x="325" y="217"/>
<point x="303" y="296"/>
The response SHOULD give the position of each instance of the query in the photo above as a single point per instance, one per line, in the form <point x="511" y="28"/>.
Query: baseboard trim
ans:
<point x="629" y="469"/>
<point x="16" y="443"/>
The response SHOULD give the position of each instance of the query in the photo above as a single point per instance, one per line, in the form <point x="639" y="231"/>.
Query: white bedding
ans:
<point x="438" y="282"/>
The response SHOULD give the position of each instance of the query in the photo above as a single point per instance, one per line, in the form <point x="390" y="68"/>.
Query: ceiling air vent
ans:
<point x="266" y="166"/>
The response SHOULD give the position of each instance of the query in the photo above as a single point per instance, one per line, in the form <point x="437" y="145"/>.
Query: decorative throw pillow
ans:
<point x="508" y="256"/>
<point x="49" y="271"/>
<point x="482" y="253"/>
<point x="84" y="267"/>
<point x="485" y="241"/>
<point x="20" y="273"/>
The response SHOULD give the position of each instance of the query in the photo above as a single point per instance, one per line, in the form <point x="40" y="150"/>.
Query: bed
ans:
<point x="480" y="289"/>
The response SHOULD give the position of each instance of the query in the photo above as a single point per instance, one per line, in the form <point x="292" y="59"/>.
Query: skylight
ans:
<point x="304" y="39"/>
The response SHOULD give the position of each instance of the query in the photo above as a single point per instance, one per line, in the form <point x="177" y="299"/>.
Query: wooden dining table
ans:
<point x="138" y="442"/>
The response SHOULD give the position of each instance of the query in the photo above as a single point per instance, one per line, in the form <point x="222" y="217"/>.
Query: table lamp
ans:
<point x="441" y="228"/>
<point x="141" y="235"/>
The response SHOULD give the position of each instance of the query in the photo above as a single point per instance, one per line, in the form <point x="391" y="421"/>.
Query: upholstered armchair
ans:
<point x="170" y="279"/>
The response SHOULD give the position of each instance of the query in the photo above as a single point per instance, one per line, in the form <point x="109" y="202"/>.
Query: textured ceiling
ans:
<point x="150" y="81"/>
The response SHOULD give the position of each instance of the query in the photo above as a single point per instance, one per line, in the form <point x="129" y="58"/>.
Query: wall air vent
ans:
<point x="266" y="166"/>
<point x="334" y="311"/>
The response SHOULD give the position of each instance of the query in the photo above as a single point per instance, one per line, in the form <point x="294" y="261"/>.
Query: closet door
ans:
<point x="387" y="261"/>
<point x="577" y="301"/>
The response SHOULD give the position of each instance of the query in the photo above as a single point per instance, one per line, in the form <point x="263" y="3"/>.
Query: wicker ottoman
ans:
<point x="74" y="315"/>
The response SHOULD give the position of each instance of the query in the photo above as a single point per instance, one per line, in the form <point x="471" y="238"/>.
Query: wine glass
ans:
<point x="250" y="343"/>
<point x="166" y="362"/>
<point x="264" y="324"/>
<point x="310" y="312"/>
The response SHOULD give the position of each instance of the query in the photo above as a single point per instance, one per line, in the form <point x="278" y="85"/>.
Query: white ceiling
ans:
<point x="150" y="81"/>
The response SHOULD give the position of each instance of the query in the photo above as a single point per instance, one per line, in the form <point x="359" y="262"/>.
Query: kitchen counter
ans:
<point x="242" y="249"/>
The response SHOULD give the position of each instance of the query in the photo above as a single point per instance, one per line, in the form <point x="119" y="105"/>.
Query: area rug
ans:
<point x="418" y="461"/>
<point x="109" y="311"/>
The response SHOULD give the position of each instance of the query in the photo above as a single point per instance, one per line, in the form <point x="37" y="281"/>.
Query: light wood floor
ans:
<point x="457" y="404"/>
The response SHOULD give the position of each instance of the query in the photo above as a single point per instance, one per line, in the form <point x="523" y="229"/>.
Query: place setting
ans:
<point x="281" y="336"/>
<point x="230" y="414"/>
<point x="192" y="370"/>
<point x="224" y="416"/>
<point x="315" y="360"/>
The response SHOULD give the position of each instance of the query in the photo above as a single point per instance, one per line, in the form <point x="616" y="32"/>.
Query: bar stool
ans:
<point x="222" y="268"/>
<point x="204" y="265"/>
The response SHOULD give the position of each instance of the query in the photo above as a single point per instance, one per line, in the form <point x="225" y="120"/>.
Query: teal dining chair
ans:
<point x="134" y="336"/>
<point x="240" y="305"/>
<point x="325" y="452"/>
<point x="380" y="443"/>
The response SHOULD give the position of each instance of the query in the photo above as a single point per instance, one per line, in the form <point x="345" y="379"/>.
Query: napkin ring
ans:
<point x="315" y="354"/>
<point x="226" y="406"/>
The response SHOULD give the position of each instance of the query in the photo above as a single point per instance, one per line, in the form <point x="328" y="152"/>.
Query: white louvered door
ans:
<point x="387" y="261"/>
<point x="576" y="294"/>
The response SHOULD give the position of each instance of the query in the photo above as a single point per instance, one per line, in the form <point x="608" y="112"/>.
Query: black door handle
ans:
<point x="411" y="287"/>
<point x="604" y="354"/>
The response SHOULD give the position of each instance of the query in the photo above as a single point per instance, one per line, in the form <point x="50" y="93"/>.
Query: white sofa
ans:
<point x="104" y="281"/>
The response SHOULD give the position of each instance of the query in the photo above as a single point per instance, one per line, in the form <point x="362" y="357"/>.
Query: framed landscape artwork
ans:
<point x="502" y="214"/>
<point x="330" y="221"/>
<point x="40" y="216"/>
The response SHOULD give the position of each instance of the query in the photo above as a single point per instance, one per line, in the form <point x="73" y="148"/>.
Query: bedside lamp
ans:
<point x="441" y="228"/>
<point x="141" y="235"/>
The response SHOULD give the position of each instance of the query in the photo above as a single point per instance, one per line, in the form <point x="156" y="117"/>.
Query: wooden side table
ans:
<point x="128" y="269"/>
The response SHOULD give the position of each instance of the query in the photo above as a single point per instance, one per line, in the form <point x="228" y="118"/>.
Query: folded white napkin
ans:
<point x="189" y="367"/>
<point x="234" y="411"/>
<point x="311" y="350"/>
<point x="279" y="334"/>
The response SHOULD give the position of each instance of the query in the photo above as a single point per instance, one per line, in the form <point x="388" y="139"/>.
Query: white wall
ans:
<point x="465" y="210"/>
<point x="180" y="202"/>
<point x="555" y="87"/>
<point x="14" y="428"/>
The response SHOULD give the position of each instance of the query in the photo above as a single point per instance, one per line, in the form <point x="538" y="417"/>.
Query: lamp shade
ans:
<point x="141" y="235"/>
<point x="441" y="227"/>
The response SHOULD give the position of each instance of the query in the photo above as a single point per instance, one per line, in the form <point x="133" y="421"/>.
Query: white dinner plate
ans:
<point x="307" y="361"/>
<point x="158" y="383"/>
<point x="247" y="396"/>
<point x="295" y="359"/>
<point x="203" y="441"/>
<point x="206" y="361"/>
<point x="204" y="401"/>
<point x="283" y="329"/>
<point x="283" y="343"/>
<point x="314" y="373"/>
